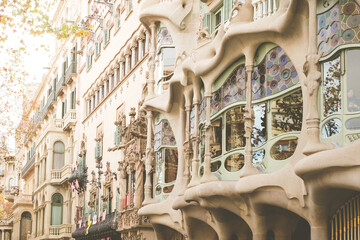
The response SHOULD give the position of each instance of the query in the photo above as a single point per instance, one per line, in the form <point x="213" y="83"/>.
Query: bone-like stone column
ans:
<point x="195" y="178"/>
<point x="248" y="168"/>
<point x="208" y="176"/>
<point x="187" y="146"/>
<point x="312" y="83"/>
<point x="148" y="161"/>
<point x="151" y="64"/>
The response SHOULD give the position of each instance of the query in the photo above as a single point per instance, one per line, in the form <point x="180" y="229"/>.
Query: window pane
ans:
<point x="353" y="124"/>
<point x="331" y="127"/>
<point x="235" y="128"/>
<point x="215" y="166"/>
<point x="58" y="160"/>
<point x="171" y="161"/>
<point x="56" y="215"/>
<point x="216" y="138"/>
<point x="234" y="162"/>
<point x="353" y="83"/>
<point x="332" y="87"/>
<point x="258" y="156"/>
<point x="284" y="148"/>
<point x="258" y="136"/>
<point x="287" y="114"/>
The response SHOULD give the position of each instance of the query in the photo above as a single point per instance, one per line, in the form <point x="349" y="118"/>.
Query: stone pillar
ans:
<point x="2" y="235"/>
<point x="140" y="52"/>
<point x="312" y="83"/>
<point x="36" y="174"/>
<point x="49" y="163"/>
<point x="66" y="211"/>
<point x="208" y="176"/>
<point x="133" y="58"/>
<point x="127" y="63"/>
<point x="148" y="161"/>
<point x="152" y="56"/>
<point x="139" y="182"/>
<point x="47" y="217"/>
<point x="122" y="68"/>
<point x="187" y="146"/>
<point x="248" y="168"/>
<point x="195" y="179"/>
<point x="147" y="39"/>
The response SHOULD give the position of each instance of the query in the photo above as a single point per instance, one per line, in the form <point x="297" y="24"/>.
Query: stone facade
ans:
<point x="201" y="120"/>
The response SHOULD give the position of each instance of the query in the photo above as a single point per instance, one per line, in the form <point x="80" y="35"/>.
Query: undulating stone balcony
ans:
<point x="62" y="231"/>
<point x="60" y="176"/>
<point x="23" y="199"/>
<point x="69" y="119"/>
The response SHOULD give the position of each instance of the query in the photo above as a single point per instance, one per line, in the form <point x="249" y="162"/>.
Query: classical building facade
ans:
<point x="197" y="120"/>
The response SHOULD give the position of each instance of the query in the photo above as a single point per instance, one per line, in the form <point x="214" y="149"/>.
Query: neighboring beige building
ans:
<point x="197" y="120"/>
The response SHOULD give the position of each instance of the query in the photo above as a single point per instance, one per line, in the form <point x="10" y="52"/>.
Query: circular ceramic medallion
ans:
<point x="348" y="8"/>
<point x="334" y="41"/>
<point x="227" y="99"/>
<point x="354" y="21"/>
<point x="216" y="97"/>
<point x="286" y="74"/>
<point x="273" y="84"/>
<point x="323" y="34"/>
<point x="262" y="79"/>
<point x="334" y="27"/>
<point x="273" y="56"/>
<point x="322" y="22"/>
<point x="349" y="35"/>
<point x="274" y="70"/>
<point x="334" y="14"/>
<point x="283" y="60"/>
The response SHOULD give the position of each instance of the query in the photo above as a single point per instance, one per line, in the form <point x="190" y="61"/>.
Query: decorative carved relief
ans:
<point x="93" y="191"/>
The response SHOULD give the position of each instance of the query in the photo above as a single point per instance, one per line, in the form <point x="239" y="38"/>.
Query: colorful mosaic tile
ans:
<point x="339" y="25"/>
<point x="280" y="72"/>
<point x="328" y="36"/>
<point x="163" y="134"/>
<point x="350" y="21"/>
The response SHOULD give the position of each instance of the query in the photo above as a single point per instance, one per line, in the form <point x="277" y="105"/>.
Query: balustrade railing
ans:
<point x="56" y="174"/>
<point x="59" y="230"/>
<point x="60" y="83"/>
<point x="70" y="70"/>
<point x="263" y="8"/>
<point x="59" y="123"/>
<point x="28" y="165"/>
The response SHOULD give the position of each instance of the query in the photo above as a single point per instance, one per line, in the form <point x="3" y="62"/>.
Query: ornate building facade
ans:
<point x="199" y="120"/>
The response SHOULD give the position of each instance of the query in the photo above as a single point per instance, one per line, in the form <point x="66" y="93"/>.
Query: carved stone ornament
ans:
<point x="93" y="191"/>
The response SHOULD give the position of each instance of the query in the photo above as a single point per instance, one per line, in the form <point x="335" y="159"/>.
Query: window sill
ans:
<point x="89" y="68"/>
<point x="117" y="30"/>
<point x="96" y="58"/>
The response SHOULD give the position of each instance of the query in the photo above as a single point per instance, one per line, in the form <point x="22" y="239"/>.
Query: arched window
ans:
<point x="56" y="209"/>
<point x="11" y="183"/>
<point x="59" y="155"/>
<point x="25" y="225"/>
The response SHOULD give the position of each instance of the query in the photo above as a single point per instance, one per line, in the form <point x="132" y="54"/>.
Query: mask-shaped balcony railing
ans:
<point x="263" y="8"/>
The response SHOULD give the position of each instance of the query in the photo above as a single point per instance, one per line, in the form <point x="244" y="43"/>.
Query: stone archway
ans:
<point x="25" y="225"/>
